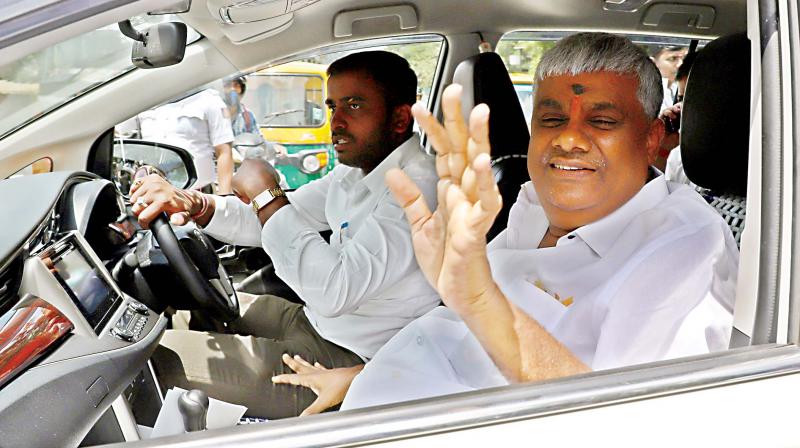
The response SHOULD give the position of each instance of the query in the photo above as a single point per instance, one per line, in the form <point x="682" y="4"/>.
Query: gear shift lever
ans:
<point x="193" y="405"/>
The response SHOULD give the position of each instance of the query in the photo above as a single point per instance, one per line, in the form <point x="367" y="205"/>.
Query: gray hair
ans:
<point x="595" y="52"/>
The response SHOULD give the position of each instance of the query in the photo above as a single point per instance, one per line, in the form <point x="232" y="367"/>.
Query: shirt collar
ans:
<point x="603" y="233"/>
<point x="374" y="181"/>
<point x="600" y="235"/>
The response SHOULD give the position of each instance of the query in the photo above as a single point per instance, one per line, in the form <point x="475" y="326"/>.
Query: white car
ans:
<point x="74" y="355"/>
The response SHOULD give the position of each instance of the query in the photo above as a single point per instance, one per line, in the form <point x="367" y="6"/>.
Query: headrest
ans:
<point x="485" y="79"/>
<point x="715" y="119"/>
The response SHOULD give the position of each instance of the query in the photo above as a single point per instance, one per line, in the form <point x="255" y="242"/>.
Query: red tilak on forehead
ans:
<point x="575" y="105"/>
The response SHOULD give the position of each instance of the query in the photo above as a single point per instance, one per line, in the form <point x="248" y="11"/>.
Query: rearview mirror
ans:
<point x="175" y="163"/>
<point x="158" y="45"/>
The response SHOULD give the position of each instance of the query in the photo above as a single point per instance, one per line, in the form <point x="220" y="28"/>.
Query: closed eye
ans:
<point x="551" y="122"/>
<point x="603" y="123"/>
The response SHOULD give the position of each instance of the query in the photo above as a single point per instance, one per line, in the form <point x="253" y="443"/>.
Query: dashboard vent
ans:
<point x="10" y="279"/>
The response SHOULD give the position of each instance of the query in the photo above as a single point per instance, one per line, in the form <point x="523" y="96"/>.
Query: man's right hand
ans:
<point x="152" y="195"/>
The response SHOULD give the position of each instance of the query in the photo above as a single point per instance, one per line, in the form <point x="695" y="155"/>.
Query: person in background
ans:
<point x="668" y="59"/>
<point x="670" y="152"/>
<point x="200" y="124"/>
<point x="243" y="120"/>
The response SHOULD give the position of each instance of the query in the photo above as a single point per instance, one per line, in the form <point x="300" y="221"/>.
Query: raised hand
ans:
<point x="450" y="243"/>
<point x="330" y="385"/>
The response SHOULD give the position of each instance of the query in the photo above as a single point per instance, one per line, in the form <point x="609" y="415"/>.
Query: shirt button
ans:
<point x="569" y="237"/>
<point x="419" y="340"/>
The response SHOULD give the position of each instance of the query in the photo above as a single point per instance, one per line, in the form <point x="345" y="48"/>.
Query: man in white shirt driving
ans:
<point x="603" y="263"/>
<point x="359" y="289"/>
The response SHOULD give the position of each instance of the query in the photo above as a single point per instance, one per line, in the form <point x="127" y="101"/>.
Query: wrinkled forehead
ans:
<point x="591" y="84"/>
<point x="589" y="91"/>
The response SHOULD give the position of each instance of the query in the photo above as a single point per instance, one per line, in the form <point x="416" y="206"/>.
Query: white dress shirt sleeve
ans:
<point x="309" y="201"/>
<point x="334" y="281"/>
<point x="220" y="129"/>
<point x="657" y="313"/>
<point x="234" y="222"/>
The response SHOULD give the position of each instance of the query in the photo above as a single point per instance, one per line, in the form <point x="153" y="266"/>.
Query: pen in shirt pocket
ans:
<point x="342" y="229"/>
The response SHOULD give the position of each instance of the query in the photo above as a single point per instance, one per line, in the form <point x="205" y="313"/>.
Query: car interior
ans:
<point x="84" y="291"/>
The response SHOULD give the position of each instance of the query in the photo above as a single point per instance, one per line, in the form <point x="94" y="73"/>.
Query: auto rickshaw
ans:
<point x="289" y="103"/>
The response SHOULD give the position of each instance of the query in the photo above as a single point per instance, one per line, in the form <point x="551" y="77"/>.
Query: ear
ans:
<point x="401" y="119"/>
<point x="654" y="136"/>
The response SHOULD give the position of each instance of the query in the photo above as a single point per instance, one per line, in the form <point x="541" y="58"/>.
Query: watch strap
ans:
<point x="265" y="197"/>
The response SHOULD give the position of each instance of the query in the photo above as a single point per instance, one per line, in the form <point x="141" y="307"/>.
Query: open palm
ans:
<point x="450" y="242"/>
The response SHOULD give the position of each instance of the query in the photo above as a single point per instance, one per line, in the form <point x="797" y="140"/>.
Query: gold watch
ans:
<point x="265" y="197"/>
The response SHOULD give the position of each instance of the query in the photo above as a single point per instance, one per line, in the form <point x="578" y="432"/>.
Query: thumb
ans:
<point x="315" y="408"/>
<point x="180" y="218"/>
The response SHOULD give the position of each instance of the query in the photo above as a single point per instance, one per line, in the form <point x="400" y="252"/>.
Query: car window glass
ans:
<point x="43" y="165"/>
<point x="46" y="79"/>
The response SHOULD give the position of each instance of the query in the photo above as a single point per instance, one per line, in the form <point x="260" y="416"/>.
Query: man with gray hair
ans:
<point x="603" y="263"/>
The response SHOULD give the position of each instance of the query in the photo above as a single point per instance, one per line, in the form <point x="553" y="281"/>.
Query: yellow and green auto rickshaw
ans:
<point x="289" y="103"/>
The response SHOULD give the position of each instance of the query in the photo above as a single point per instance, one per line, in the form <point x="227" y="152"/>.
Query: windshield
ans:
<point x="44" y="80"/>
<point x="288" y="100"/>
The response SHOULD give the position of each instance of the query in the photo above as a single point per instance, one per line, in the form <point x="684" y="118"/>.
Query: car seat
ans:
<point x="715" y="126"/>
<point x="484" y="79"/>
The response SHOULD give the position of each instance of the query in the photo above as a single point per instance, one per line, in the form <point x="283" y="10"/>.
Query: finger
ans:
<point x="302" y="361"/>
<point x="454" y="117"/>
<point x="489" y="200"/>
<point x="315" y="408"/>
<point x="291" y="378"/>
<point x="147" y="214"/>
<point x="478" y="132"/>
<point x="134" y="186"/>
<point x="437" y="135"/>
<point x="180" y="218"/>
<point x="409" y="197"/>
<point x="441" y="196"/>
<point x="455" y="200"/>
<point x="320" y="366"/>
<point x="469" y="185"/>
<point x="293" y="364"/>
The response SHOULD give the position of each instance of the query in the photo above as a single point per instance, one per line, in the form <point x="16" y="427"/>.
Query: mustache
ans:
<point x="558" y="153"/>
<point x="335" y="135"/>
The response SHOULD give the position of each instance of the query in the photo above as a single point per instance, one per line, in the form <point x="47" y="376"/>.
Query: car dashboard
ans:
<point x="71" y="340"/>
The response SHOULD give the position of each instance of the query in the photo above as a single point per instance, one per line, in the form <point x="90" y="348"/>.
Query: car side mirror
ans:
<point x="129" y="155"/>
<point x="158" y="45"/>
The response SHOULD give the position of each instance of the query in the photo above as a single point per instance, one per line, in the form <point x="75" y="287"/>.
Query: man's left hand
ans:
<point x="330" y="385"/>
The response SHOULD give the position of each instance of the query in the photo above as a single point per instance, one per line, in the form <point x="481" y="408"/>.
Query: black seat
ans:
<point x="485" y="79"/>
<point x="715" y="125"/>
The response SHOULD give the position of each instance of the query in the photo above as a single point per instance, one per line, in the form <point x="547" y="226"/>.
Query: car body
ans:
<point x="94" y="382"/>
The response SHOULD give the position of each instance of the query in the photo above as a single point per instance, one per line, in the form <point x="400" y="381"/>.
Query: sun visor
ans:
<point x="249" y="20"/>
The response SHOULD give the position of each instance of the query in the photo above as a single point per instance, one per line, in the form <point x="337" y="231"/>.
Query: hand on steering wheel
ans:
<point x="153" y="198"/>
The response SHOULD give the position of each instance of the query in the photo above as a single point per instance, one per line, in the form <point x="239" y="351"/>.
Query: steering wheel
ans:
<point x="207" y="282"/>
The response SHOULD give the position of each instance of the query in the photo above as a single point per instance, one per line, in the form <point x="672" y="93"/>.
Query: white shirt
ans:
<point x="674" y="169"/>
<point x="669" y="93"/>
<point x="197" y="123"/>
<point x="653" y="280"/>
<point x="365" y="285"/>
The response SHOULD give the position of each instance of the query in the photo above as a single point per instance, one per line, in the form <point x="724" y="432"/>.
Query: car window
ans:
<point x="46" y="79"/>
<point x="43" y="165"/>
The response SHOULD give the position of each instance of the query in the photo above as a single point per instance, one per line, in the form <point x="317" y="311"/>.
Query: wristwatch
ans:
<point x="265" y="197"/>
